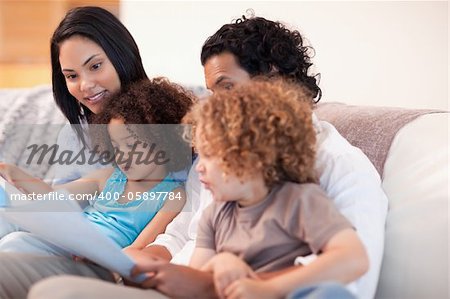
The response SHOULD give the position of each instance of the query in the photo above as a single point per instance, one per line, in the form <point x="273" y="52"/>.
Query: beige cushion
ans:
<point x="372" y="129"/>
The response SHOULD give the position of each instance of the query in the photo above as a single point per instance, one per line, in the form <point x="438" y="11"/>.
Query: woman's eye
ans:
<point x="71" y="76"/>
<point x="96" y="66"/>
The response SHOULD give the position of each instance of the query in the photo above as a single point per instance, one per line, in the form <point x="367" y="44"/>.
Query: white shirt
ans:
<point x="347" y="176"/>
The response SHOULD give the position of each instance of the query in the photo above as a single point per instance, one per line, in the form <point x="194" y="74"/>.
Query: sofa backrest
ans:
<point x="413" y="161"/>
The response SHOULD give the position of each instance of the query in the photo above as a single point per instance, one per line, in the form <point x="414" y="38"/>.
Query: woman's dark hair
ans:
<point x="103" y="28"/>
<point x="264" y="47"/>
<point x="157" y="102"/>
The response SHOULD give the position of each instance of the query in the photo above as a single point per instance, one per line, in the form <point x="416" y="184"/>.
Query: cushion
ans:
<point x="371" y="129"/>
<point x="29" y="116"/>
<point x="415" y="262"/>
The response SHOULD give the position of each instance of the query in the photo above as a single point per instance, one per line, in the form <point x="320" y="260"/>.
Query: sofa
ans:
<point x="408" y="147"/>
<point x="410" y="150"/>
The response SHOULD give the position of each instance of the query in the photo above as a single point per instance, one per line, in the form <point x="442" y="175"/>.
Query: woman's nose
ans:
<point x="86" y="84"/>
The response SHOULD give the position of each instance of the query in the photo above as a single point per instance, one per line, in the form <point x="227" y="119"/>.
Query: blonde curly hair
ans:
<point x="261" y="127"/>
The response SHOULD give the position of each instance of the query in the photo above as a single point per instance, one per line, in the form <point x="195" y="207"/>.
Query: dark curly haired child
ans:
<point x="256" y="145"/>
<point x="137" y="197"/>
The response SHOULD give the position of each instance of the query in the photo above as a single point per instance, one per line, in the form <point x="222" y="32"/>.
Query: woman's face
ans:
<point x="90" y="75"/>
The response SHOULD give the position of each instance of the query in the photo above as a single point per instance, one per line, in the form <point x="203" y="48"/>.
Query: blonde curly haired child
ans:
<point x="256" y="145"/>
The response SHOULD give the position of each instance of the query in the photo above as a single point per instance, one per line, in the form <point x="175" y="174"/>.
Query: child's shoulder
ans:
<point x="216" y="210"/>
<point x="292" y="187"/>
<point x="297" y="193"/>
<point x="101" y="175"/>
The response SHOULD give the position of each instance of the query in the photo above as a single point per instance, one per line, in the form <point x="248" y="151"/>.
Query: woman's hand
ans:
<point x="227" y="268"/>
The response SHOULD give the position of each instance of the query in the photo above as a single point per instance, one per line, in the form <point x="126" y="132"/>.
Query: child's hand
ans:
<point x="226" y="269"/>
<point x="7" y="171"/>
<point x="251" y="288"/>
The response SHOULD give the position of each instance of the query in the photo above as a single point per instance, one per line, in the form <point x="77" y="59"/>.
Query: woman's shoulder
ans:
<point x="68" y="137"/>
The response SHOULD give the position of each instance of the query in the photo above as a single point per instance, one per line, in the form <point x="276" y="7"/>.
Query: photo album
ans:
<point x="60" y="221"/>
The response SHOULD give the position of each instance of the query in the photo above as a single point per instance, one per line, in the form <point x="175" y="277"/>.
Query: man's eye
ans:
<point x="228" y="86"/>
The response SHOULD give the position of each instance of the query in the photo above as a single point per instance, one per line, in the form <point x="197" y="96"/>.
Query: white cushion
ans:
<point x="415" y="263"/>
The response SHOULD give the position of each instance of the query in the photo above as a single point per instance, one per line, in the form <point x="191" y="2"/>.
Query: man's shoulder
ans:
<point x="333" y="150"/>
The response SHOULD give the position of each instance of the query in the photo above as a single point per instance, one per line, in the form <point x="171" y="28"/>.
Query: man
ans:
<point x="233" y="55"/>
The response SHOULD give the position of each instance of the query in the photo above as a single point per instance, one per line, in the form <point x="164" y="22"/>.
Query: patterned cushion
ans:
<point x="29" y="116"/>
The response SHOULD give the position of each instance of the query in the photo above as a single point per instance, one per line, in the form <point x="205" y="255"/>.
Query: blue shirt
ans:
<point x="123" y="222"/>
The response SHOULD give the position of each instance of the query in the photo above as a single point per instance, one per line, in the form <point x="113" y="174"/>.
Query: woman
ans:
<point x="93" y="56"/>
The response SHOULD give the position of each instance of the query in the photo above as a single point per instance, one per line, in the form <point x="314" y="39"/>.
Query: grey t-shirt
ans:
<point x="294" y="220"/>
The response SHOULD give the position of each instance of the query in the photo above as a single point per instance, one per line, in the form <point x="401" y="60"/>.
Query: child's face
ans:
<point x="223" y="187"/>
<point x="226" y="187"/>
<point x="131" y="153"/>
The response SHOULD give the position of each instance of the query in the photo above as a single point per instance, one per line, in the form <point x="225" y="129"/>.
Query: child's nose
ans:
<point x="199" y="167"/>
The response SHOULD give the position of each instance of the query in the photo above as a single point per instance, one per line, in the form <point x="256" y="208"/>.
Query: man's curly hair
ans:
<point x="261" y="127"/>
<point x="156" y="101"/>
<point x="264" y="47"/>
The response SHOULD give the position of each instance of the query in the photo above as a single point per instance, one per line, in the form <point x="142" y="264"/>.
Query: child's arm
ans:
<point x="227" y="268"/>
<point x="200" y="257"/>
<point x="23" y="180"/>
<point x="89" y="184"/>
<point x="343" y="259"/>
<point x="158" y="224"/>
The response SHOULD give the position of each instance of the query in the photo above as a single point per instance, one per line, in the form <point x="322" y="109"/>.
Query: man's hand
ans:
<point x="174" y="280"/>
<point x="251" y="288"/>
<point x="140" y="256"/>
<point x="227" y="268"/>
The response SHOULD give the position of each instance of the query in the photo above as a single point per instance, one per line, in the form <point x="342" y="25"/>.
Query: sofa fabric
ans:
<point x="29" y="116"/>
<point x="410" y="148"/>
<point x="369" y="128"/>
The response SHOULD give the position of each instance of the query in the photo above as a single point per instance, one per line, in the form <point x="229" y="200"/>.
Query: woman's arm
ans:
<point x="158" y="224"/>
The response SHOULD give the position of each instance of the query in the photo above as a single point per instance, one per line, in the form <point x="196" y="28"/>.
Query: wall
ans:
<point x="373" y="53"/>
<point x="26" y="27"/>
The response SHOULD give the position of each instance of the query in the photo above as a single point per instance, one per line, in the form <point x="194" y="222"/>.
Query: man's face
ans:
<point x="222" y="71"/>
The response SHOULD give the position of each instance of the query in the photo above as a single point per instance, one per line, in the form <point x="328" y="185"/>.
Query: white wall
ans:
<point x="371" y="53"/>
